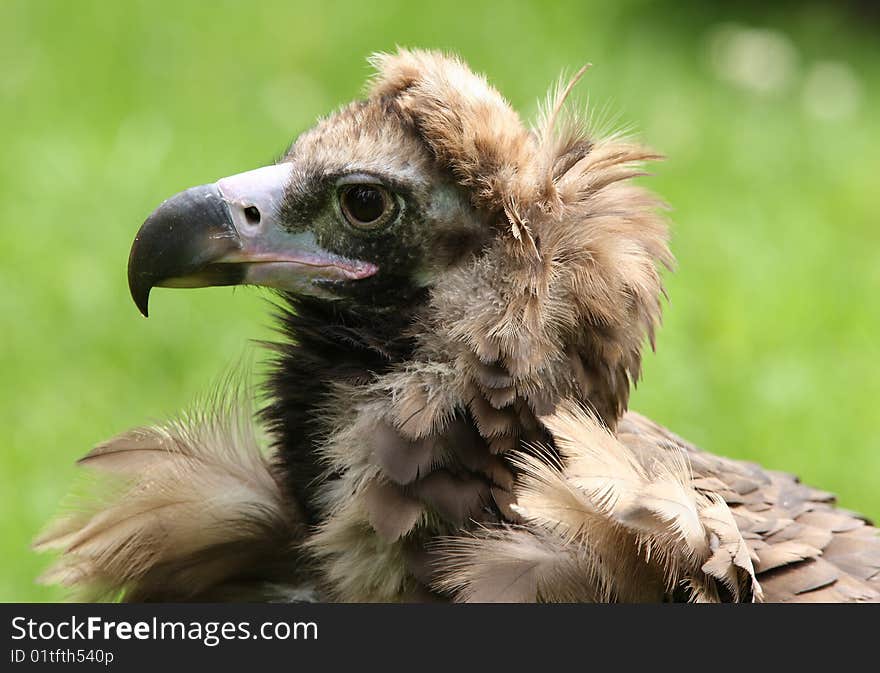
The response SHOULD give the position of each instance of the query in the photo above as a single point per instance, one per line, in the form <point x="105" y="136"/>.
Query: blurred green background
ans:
<point x="768" y="116"/>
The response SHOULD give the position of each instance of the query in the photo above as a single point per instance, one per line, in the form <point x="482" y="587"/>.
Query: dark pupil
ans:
<point x="364" y="203"/>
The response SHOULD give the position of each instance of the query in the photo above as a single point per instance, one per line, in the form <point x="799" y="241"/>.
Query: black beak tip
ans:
<point x="142" y="302"/>
<point x="140" y="287"/>
<point x="141" y="275"/>
<point x="183" y="235"/>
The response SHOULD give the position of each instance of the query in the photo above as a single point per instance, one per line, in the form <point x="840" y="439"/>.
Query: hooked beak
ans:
<point x="229" y="233"/>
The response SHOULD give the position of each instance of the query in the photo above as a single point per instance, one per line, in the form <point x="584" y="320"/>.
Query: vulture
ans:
<point x="462" y="304"/>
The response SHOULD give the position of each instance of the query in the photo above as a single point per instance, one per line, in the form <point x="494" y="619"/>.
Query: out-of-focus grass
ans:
<point x="769" y="347"/>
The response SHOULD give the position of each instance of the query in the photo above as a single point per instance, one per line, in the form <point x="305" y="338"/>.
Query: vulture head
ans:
<point x="431" y="211"/>
<point x="357" y="213"/>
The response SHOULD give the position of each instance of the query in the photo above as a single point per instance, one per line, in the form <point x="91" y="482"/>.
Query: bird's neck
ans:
<point x="325" y="345"/>
<point x="392" y="431"/>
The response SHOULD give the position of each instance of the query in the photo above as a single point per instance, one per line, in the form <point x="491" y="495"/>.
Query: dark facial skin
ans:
<point x="408" y="250"/>
<point x="396" y="245"/>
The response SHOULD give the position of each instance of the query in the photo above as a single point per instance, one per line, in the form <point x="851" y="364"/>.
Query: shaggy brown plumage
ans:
<point x="459" y="431"/>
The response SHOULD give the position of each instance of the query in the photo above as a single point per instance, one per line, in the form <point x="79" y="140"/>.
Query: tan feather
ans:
<point x="620" y="487"/>
<point x="391" y="512"/>
<point x="401" y="460"/>
<point x="192" y="506"/>
<point x="513" y="566"/>
<point x="455" y="499"/>
<point x="731" y="560"/>
<point x="785" y="553"/>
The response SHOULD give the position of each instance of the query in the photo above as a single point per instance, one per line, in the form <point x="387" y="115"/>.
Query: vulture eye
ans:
<point x="366" y="206"/>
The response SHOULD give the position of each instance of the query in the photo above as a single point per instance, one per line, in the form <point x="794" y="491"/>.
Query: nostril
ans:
<point x="252" y="214"/>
